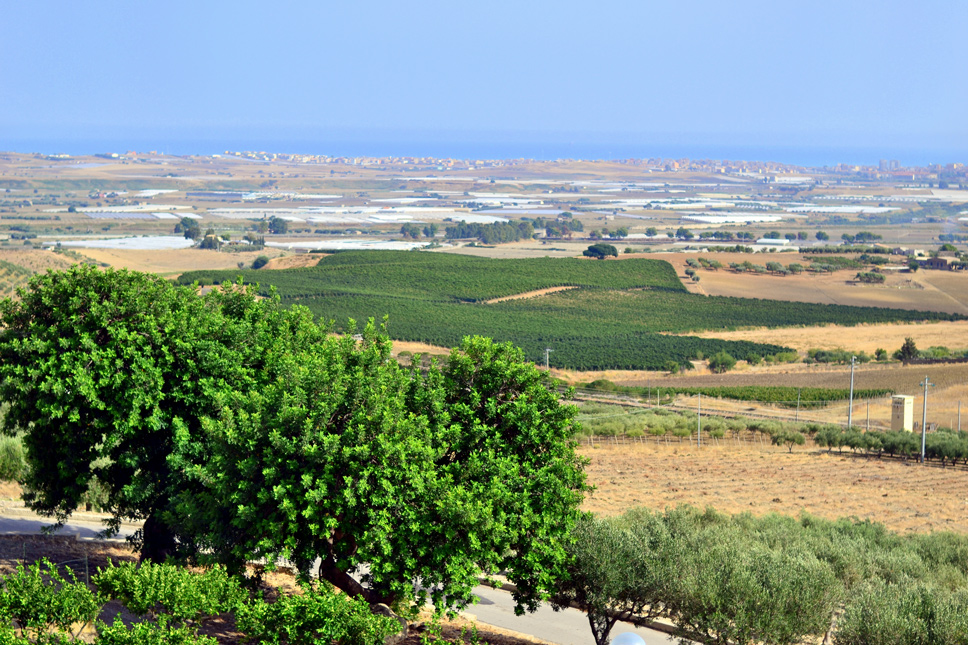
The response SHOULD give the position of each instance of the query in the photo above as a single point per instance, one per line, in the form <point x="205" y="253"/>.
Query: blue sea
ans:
<point x="482" y="146"/>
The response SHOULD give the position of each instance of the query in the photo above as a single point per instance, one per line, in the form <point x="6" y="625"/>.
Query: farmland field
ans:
<point x="610" y="320"/>
<point x="861" y="338"/>
<point x="925" y="290"/>
<point x="741" y="477"/>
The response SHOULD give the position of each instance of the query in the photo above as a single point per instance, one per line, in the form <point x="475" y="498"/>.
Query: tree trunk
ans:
<point x="158" y="541"/>
<point x="345" y="582"/>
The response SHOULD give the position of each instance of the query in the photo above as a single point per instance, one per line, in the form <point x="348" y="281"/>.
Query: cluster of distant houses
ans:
<point x="943" y="260"/>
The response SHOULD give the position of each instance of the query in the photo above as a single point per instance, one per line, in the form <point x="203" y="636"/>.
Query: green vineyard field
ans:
<point x="618" y="316"/>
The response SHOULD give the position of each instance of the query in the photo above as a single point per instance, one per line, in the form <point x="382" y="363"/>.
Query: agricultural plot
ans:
<point x="740" y="476"/>
<point x="612" y="319"/>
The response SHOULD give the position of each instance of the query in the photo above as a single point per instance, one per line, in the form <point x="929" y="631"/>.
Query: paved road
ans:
<point x="567" y="627"/>
<point x="84" y="529"/>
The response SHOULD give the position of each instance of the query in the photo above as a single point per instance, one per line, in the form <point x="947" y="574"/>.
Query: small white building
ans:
<point x="902" y="413"/>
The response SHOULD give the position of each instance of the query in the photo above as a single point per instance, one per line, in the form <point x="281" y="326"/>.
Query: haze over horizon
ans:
<point x="814" y="84"/>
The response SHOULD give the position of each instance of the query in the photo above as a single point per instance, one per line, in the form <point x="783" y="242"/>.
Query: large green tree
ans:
<point x="395" y="479"/>
<point x="108" y="375"/>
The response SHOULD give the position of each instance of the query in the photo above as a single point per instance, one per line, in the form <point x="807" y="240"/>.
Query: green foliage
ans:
<point x="729" y="591"/>
<point x="841" y="356"/>
<point x="13" y="465"/>
<point x="600" y="251"/>
<point x="209" y="242"/>
<point x="429" y="476"/>
<point x="721" y="362"/>
<point x="278" y="226"/>
<point x="788" y="438"/>
<point x="493" y="233"/>
<point x="318" y="616"/>
<point x="106" y="374"/>
<point x="189" y="227"/>
<point x="445" y="277"/>
<point x="870" y="277"/>
<point x="783" y="395"/>
<point x="776" y="579"/>
<point x="155" y="589"/>
<point x="616" y="571"/>
<point x="161" y="632"/>
<point x="945" y="446"/>
<point x="44" y="605"/>
<point x="907" y="351"/>
<point x="260" y="262"/>
<point x="901" y="615"/>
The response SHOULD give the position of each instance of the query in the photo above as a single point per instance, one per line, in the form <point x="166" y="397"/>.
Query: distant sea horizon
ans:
<point x="503" y="147"/>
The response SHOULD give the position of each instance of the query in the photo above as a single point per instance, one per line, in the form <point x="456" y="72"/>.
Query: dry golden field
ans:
<point x="743" y="477"/>
<point x="924" y="290"/>
<point x="859" y="338"/>
<point x="34" y="260"/>
<point x="171" y="263"/>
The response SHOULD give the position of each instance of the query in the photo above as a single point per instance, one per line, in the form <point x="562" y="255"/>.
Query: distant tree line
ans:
<point x="493" y="233"/>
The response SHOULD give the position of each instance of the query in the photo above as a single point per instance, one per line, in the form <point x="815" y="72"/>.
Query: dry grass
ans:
<point x="171" y="263"/>
<point x="742" y="477"/>
<point x="948" y="393"/>
<point x="529" y="294"/>
<point x="298" y="261"/>
<point x="866" y="338"/>
<point x="37" y="261"/>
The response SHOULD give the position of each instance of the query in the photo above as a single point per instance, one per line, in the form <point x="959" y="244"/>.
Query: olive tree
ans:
<point x="619" y="569"/>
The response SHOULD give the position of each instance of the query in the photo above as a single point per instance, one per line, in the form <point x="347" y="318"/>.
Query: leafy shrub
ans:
<point x="721" y="362"/>
<point x="44" y="605"/>
<point x="260" y="262"/>
<point x="904" y="615"/>
<point x="148" y="633"/>
<point x="166" y="589"/>
<point x="318" y="616"/>
<point x="12" y="462"/>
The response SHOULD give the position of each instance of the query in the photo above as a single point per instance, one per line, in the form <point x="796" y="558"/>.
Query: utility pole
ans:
<point x="924" y="417"/>
<point x="699" y="422"/>
<point x="548" y="351"/>
<point x="850" y="405"/>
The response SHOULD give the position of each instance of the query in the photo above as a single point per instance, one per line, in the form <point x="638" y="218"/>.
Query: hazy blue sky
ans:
<point x="881" y="75"/>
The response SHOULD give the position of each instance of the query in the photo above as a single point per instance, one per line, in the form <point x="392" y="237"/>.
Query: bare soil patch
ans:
<point x="299" y="261"/>
<point x="529" y="294"/>
<point x="742" y="477"/>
